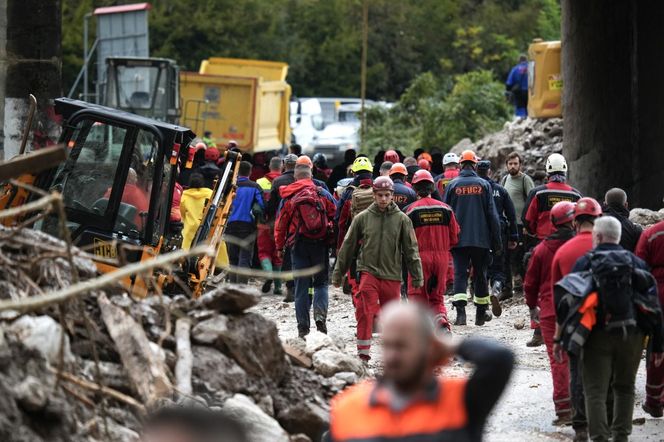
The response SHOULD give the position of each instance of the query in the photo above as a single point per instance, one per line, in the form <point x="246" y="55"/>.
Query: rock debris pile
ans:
<point x="91" y="370"/>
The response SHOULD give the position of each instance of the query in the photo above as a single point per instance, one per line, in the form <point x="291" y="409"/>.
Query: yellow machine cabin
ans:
<point x="545" y="81"/>
<point x="242" y="100"/>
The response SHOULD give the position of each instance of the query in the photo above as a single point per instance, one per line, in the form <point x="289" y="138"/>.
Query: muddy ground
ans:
<point x="525" y="411"/>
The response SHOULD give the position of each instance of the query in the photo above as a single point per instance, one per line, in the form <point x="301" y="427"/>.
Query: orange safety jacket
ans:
<point x="363" y="413"/>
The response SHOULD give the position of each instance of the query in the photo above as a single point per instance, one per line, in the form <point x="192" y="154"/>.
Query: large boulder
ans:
<point x="259" y="426"/>
<point x="328" y="362"/>
<point x="305" y="417"/>
<point x="41" y="333"/>
<point x="217" y="370"/>
<point x="231" y="298"/>
<point x="646" y="217"/>
<point x="250" y="339"/>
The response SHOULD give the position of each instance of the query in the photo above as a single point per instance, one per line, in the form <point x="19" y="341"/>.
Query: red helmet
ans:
<point x="383" y="183"/>
<point x="398" y="168"/>
<point x="562" y="213"/>
<point x="422" y="175"/>
<point x="391" y="156"/>
<point x="424" y="164"/>
<point x="587" y="206"/>
<point x="211" y="154"/>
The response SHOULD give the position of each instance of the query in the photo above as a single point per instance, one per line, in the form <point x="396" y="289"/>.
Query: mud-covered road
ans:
<point x="525" y="411"/>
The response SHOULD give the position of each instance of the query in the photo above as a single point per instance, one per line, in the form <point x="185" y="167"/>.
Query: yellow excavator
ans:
<point x="117" y="183"/>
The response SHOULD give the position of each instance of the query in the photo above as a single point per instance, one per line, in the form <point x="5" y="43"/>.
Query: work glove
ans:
<point x="535" y="315"/>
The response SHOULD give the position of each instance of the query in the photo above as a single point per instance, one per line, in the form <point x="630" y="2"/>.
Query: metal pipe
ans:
<point x="86" y="20"/>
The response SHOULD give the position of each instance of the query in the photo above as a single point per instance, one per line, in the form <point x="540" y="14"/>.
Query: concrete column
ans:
<point x="31" y="56"/>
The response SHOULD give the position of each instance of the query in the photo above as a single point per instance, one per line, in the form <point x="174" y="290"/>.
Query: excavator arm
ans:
<point x="215" y="216"/>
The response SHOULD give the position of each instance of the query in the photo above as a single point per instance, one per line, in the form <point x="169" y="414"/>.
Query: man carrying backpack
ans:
<point x="305" y="226"/>
<point x="624" y="293"/>
<point x="379" y="236"/>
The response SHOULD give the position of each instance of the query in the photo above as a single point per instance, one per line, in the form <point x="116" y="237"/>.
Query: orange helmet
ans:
<point x="425" y="156"/>
<point x="468" y="155"/>
<point x="424" y="164"/>
<point x="304" y="160"/>
<point x="398" y="168"/>
<point x="422" y="175"/>
<point x="392" y="156"/>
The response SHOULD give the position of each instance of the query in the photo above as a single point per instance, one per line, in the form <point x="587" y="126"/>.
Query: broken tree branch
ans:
<point x="185" y="360"/>
<point x="38" y="302"/>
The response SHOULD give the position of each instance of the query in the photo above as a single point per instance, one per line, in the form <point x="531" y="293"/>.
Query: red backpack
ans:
<point x="310" y="214"/>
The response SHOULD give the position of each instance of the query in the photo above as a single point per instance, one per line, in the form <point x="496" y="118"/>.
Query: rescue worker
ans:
<point x="518" y="186"/>
<point x="259" y="166"/>
<point x="650" y="248"/>
<point x="517" y="87"/>
<point x="499" y="268"/>
<point x="192" y="205"/>
<point x="391" y="156"/>
<point x="470" y="198"/>
<point x="403" y="193"/>
<point x="207" y="139"/>
<point x="241" y="224"/>
<point x="437" y="232"/>
<point x="615" y="205"/>
<point x="321" y="170"/>
<point x="424" y="164"/>
<point x="340" y="171"/>
<point x="385" y="168"/>
<point x="267" y="252"/>
<point x="379" y="236"/>
<point x="306" y="231"/>
<point x="410" y="402"/>
<point x="134" y="195"/>
<point x="451" y="165"/>
<point x="586" y="211"/>
<point x="209" y="168"/>
<point x="611" y="356"/>
<point x="542" y="198"/>
<point x="362" y="169"/>
<point x="539" y="298"/>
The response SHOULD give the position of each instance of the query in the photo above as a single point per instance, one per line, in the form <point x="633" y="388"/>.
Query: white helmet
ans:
<point x="556" y="163"/>
<point x="450" y="158"/>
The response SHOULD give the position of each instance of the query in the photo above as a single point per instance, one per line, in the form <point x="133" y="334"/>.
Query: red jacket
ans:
<point x="568" y="254"/>
<point x="284" y="229"/>
<point x="650" y="248"/>
<point x="539" y="203"/>
<point x="435" y="226"/>
<point x="537" y="284"/>
<point x="175" y="206"/>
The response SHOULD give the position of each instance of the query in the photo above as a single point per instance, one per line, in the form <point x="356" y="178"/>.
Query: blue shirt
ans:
<point x="248" y="193"/>
<point x="518" y="77"/>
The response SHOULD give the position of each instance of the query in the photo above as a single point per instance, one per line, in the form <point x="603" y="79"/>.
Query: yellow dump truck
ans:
<point x="242" y="100"/>
<point x="545" y="83"/>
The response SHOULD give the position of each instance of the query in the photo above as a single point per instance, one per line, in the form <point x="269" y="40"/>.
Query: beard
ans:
<point x="413" y="379"/>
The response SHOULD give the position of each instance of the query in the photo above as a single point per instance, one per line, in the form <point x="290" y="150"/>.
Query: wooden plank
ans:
<point x="33" y="162"/>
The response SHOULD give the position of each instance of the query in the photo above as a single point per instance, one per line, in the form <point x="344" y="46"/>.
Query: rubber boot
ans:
<point x="480" y="315"/>
<point x="496" y="308"/>
<point x="266" y="265"/>
<point x="290" y="294"/>
<point x="461" y="315"/>
<point x="536" y="340"/>
<point x="277" y="282"/>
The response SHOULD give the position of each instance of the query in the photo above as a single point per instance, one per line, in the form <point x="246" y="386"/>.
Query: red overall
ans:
<point x="373" y="294"/>
<point x="538" y="291"/>
<point x="650" y="248"/>
<point x="437" y="232"/>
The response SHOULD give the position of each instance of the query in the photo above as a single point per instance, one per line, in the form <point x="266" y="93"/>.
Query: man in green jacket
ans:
<point x="378" y="236"/>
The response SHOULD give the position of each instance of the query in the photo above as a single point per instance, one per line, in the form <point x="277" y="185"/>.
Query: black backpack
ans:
<point x="612" y="272"/>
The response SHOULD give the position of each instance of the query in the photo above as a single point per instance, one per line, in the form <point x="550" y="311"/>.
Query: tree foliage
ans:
<point x="321" y="39"/>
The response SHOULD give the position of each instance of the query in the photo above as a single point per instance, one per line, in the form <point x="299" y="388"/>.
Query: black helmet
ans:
<point x="320" y="161"/>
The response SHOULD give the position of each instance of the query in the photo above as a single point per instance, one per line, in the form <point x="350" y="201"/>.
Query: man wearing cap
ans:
<point x="470" y="197"/>
<point x="403" y="193"/>
<point x="386" y="235"/>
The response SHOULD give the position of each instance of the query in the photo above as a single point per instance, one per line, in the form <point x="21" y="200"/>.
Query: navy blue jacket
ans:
<point x="241" y="216"/>
<point x="505" y="209"/>
<point x="403" y="195"/>
<point x="471" y="198"/>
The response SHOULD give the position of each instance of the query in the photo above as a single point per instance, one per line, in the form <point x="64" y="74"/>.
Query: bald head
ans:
<point x="616" y="197"/>
<point x="408" y="317"/>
